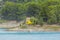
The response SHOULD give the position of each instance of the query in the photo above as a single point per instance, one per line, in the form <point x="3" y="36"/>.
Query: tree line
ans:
<point x="40" y="11"/>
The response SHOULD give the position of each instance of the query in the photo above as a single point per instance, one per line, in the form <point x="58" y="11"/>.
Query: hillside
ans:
<point x="38" y="12"/>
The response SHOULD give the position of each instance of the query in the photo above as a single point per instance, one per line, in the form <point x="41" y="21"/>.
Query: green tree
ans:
<point x="12" y="11"/>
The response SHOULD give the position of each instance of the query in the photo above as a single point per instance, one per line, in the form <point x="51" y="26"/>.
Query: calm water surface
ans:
<point x="5" y="35"/>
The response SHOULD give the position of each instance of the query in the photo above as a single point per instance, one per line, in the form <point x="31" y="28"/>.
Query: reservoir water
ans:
<point x="6" y="35"/>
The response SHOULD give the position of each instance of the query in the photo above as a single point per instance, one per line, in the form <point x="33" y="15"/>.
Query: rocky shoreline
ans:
<point x="13" y="26"/>
<point x="33" y="30"/>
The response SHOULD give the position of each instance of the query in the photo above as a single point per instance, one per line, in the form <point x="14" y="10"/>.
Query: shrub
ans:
<point x="34" y="20"/>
